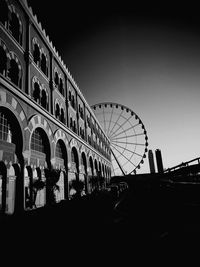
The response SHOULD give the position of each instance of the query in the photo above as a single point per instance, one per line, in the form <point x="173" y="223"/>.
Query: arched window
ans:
<point x="70" y="96"/>
<point x="4" y="12"/>
<point x="56" y="78"/>
<point x="14" y="72"/>
<point x="71" y="123"/>
<point x="61" y="86"/>
<point x="15" y="27"/>
<point x="44" y="64"/>
<point x="37" y="141"/>
<point x="5" y="128"/>
<point x="3" y="61"/>
<point x="73" y="101"/>
<point x="36" y="92"/>
<point x="36" y="54"/>
<point x="74" y="126"/>
<point x="44" y="99"/>
<point x="59" y="153"/>
<point x="62" y="115"/>
<point x="57" y="113"/>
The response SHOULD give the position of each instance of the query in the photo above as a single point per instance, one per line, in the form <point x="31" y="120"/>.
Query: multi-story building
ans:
<point x="45" y="121"/>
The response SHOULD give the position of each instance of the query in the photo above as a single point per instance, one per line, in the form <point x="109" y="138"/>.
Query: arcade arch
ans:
<point x="62" y="161"/>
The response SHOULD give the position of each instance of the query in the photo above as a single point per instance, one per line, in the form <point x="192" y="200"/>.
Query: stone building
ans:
<point x="45" y="121"/>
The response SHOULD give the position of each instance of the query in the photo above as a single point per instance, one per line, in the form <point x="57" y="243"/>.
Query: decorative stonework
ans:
<point x="7" y="100"/>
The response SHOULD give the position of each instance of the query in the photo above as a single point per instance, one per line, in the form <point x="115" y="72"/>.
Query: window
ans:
<point x="14" y="72"/>
<point x="72" y="156"/>
<point x="73" y="101"/>
<point x="36" y="92"/>
<point x="5" y="129"/>
<point x="74" y="126"/>
<point x="57" y="113"/>
<point x="70" y="96"/>
<point x="37" y="142"/>
<point x="62" y="115"/>
<point x="36" y="54"/>
<point x="88" y="122"/>
<point x="61" y="86"/>
<point x="70" y="124"/>
<point x="4" y="12"/>
<point x="59" y="153"/>
<point x="81" y="111"/>
<point x="44" y="100"/>
<point x="82" y="133"/>
<point x="15" y="27"/>
<point x="44" y="64"/>
<point x="56" y="78"/>
<point x="3" y="61"/>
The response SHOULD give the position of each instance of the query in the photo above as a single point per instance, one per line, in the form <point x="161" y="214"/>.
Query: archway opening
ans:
<point x="75" y="161"/>
<point x="84" y="165"/>
<point x="40" y="156"/>
<point x="61" y="158"/>
<point x="12" y="146"/>
<point x="40" y="145"/>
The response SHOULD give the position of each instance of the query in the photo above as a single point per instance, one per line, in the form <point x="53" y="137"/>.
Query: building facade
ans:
<point x="45" y="121"/>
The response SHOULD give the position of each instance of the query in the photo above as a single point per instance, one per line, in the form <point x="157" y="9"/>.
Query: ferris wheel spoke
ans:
<point x="121" y="125"/>
<point x="129" y="143"/>
<point x="118" y="163"/>
<point x="123" y="156"/>
<point x="123" y="137"/>
<point x="110" y="120"/>
<point x="110" y="133"/>
<point x="104" y="120"/>
<point x="129" y="150"/>
<point x="132" y="127"/>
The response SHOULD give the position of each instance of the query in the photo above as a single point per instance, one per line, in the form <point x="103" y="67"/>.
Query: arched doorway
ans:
<point x="95" y="167"/>
<point x="91" y="176"/>
<point x="74" y="172"/>
<point x="62" y="162"/>
<point x="11" y="146"/>
<point x="40" y="159"/>
<point x="83" y="174"/>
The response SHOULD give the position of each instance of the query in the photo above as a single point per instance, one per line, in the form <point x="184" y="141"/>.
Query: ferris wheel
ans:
<point x="127" y="135"/>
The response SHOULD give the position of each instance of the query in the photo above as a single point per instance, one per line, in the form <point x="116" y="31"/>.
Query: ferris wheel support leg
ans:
<point x="118" y="163"/>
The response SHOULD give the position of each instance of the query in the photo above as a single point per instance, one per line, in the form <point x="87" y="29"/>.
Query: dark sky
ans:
<point x="145" y="56"/>
<point x="69" y="21"/>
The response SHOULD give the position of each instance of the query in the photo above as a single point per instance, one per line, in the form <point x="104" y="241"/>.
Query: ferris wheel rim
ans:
<point x="116" y="136"/>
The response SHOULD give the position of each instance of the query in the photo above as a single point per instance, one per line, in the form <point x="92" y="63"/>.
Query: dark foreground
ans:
<point x="148" y="221"/>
